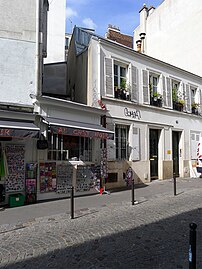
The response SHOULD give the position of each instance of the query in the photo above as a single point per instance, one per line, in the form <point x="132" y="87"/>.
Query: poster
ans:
<point x="64" y="177"/>
<point x="30" y="182"/>
<point x="47" y="172"/>
<point x="15" y="182"/>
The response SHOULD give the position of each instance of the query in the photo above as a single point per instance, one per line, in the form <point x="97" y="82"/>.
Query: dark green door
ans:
<point x="153" y="152"/>
<point x="176" y="139"/>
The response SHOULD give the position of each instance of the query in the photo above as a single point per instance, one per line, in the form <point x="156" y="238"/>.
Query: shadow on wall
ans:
<point x="162" y="244"/>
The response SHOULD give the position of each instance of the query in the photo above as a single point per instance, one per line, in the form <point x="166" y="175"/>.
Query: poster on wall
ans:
<point x="47" y="172"/>
<point x="64" y="178"/>
<point x="15" y="180"/>
<point x="88" y="178"/>
<point x="30" y="182"/>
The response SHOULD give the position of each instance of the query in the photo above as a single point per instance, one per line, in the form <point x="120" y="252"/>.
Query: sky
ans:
<point x="97" y="14"/>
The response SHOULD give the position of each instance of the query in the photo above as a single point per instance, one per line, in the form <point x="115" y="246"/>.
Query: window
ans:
<point x="121" y="138"/>
<point x="177" y="96"/>
<point x="120" y="85"/>
<point x="155" y="95"/>
<point x="63" y="147"/>
<point x="194" y="103"/>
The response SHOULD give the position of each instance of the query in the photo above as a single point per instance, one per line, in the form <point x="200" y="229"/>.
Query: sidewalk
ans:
<point x="149" y="191"/>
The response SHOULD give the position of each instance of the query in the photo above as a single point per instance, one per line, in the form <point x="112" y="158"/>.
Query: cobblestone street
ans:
<point x="152" y="234"/>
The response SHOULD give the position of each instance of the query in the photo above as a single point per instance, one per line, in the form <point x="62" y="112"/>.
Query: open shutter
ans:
<point x="135" y="152"/>
<point x="200" y="107"/>
<point x="164" y="91"/>
<point x="187" y="98"/>
<point x="145" y="77"/>
<point x="134" y="90"/>
<point x="108" y="77"/>
<point x="111" y="147"/>
<point x="169" y="92"/>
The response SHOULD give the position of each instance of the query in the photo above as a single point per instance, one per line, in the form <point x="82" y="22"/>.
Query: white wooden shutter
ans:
<point x="111" y="147"/>
<point x="109" y="76"/>
<point x="187" y="98"/>
<point x="135" y="152"/>
<point x="195" y="139"/>
<point x="145" y="78"/>
<point x="169" y="92"/>
<point x="200" y="106"/>
<point x="135" y="89"/>
<point x="164" y="91"/>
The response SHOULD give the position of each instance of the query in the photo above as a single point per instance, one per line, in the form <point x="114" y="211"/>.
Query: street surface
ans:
<point x="107" y="232"/>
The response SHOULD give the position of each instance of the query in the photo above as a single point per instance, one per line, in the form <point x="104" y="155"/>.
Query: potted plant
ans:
<point x="194" y="108"/>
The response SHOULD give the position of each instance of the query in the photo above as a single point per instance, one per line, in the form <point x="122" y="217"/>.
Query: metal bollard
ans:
<point x="174" y="184"/>
<point x="133" y="191"/>
<point x="72" y="202"/>
<point x="192" y="246"/>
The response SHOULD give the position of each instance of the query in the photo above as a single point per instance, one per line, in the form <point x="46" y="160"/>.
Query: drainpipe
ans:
<point x="38" y="47"/>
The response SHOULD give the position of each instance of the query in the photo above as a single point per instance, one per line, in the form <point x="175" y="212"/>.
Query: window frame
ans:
<point x="122" y="143"/>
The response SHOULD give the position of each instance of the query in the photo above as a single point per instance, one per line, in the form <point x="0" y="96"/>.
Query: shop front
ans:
<point x="75" y="155"/>
<point x="17" y="154"/>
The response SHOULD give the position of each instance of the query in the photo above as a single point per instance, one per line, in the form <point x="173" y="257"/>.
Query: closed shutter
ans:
<point x="188" y="98"/>
<point x="135" y="152"/>
<point x="145" y="77"/>
<point x="111" y="148"/>
<point x="134" y="90"/>
<point x="200" y="108"/>
<point x="108" y="77"/>
<point x="169" y="92"/>
<point x="164" y="91"/>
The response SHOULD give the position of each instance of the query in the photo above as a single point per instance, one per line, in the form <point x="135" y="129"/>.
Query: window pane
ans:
<point x="116" y="81"/>
<point x="116" y="69"/>
<point x="122" y="71"/>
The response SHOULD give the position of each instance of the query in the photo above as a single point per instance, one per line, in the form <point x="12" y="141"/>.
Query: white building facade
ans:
<point x="173" y="33"/>
<point x="151" y="107"/>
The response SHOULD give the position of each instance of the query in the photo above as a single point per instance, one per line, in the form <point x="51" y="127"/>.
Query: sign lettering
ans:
<point x="132" y="113"/>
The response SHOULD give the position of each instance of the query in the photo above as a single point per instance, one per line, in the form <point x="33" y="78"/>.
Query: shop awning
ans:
<point x="75" y="128"/>
<point x="24" y="129"/>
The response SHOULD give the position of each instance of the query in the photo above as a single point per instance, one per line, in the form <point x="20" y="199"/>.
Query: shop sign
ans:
<point x="7" y="132"/>
<point x="82" y="133"/>
<point x="132" y="113"/>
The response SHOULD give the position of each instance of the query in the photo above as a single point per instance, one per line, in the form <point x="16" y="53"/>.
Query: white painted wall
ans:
<point x="17" y="51"/>
<point x="173" y="34"/>
<point x="56" y="32"/>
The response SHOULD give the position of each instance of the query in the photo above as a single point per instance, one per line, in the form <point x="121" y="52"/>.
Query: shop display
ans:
<point x="15" y="181"/>
<point x="47" y="172"/>
<point x="95" y="169"/>
<point x="30" y="182"/>
<point x="64" y="178"/>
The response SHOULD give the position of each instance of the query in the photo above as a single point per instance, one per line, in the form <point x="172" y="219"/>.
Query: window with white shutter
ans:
<point x="145" y="79"/>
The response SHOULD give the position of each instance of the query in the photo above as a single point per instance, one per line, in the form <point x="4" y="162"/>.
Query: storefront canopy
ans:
<point x="75" y="128"/>
<point x="24" y="129"/>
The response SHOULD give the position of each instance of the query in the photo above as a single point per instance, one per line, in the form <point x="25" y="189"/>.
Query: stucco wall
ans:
<point x="56" y="32"/>
<point x="17" y="76"/>
<point x="172" y="34"/>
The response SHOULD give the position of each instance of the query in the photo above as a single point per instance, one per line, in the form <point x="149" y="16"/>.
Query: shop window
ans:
<point x="121" y="137"/>
<point x="121" y="91"/>
<point x="63" y="147"/>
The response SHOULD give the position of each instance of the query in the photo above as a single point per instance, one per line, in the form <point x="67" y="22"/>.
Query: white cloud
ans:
<point x="88" y="22"/>
<point x="70" y="12"/>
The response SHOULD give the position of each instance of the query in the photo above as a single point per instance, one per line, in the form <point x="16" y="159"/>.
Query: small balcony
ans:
<point x="156" y="100"/>
<point x="194" y="108"/>
<point x="122" y="94"/>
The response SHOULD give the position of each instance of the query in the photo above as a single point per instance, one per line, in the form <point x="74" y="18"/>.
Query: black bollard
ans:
<point x="192" y="246"/>
<point x="174" y="184"/>
<point x="133" y="191"/>
<point x="72" y="202"/>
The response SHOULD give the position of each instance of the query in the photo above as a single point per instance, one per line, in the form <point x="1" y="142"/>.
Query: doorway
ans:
<point x="153" y="153"/>
<point x="175" y="151"/>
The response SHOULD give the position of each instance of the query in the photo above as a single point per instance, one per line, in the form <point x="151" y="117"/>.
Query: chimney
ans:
<point x="138" y="42"/>
<point x="143" y="17"/>
<point x="142" y="38"/>
<point x="151" y="10"/>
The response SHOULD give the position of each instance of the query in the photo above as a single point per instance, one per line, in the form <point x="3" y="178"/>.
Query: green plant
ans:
<point x="194" y="105"/>
<point x="181" y="102"/>
<point x="123" y="84"/>
<point x="174" y="95"/>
